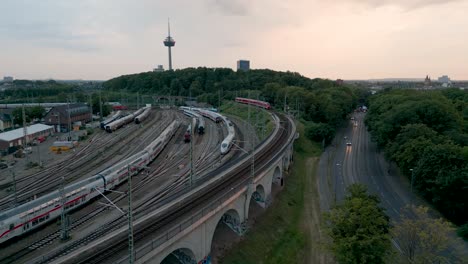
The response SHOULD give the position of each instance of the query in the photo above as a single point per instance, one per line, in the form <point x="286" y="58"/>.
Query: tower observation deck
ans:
<point x="169" y="42"/>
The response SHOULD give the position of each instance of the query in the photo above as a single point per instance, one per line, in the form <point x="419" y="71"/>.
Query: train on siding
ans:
<point x="38" y="212"/>
<point x="253" y="102"/>
<point x="200" y="124"/>
<point x="113" y="126"/>
<point x="109" y="120"/>
<point x="141" y="117"/>
<point x="228" y="141"/>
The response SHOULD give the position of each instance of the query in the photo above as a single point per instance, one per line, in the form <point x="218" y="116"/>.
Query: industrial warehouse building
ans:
<point x="64" y="117"/>
<point x="11" y="140"/>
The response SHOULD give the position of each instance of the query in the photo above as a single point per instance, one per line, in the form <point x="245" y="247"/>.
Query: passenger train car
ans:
<point x="110" y="119"/>
<point x="111" y="127"/>
<point x="229" y="139"/>
<point x="141" y="117"/>
<point x="200" y="121"/>
<point x="35" y="213"/>
<point x="258" y="103"/>
<point x="210" y="115"/>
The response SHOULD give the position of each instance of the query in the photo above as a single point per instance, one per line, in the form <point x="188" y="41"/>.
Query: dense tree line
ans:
<point x="426" y="134"/>
<point x="38" y="91"/>
<point x="322" y="104"/>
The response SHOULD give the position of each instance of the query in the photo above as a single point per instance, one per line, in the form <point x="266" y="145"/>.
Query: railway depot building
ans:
<point x="10" y="141"/>
<point x="64" y="116"/>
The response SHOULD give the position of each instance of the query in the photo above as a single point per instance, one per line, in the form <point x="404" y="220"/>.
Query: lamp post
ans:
<point x="63" y="219"/>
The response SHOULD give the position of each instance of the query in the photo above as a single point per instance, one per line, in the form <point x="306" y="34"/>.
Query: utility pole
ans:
<point x="25" y="133"/>
<point x="252" y="167"/>
<point x="130" y="218"/>
<point x="64" y="234"/>
<point x="15" y="201"/>
<point x="219" y="99"/>
<point x="138" y="100"/>
<point x="69" y="120"/>
<point x="91" y="106"/>
<point x="100" y="106"/>
<point x="191" y="155"/>
<point x="39" y="155"/>
<point x="285" y="103"/>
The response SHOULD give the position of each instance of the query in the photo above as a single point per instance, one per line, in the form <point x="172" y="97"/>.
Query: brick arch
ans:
<point x="183" y="255"/>
<point x="277" y="176"/>
<point x="230" y="213"/>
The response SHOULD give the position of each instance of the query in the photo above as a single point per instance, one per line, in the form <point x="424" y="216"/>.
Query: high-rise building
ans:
<point x="160" y="68"/>
<point x="169" y="42"/>
<point x="243" y="65"/>
<point x="444" y="79"/>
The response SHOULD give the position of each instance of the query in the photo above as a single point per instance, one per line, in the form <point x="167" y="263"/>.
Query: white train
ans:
<point x="229" y="139"/>
<point x="111" y="127"/>
<point x="110" y="119"/>
<point x="31" y="215"/>
<point x="142" y="116"/>
<point x="200" y="121"/>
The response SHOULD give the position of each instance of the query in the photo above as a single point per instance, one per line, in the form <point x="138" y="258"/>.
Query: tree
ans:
<point x="36" y="112"/>
<point x="359" y="228"/>
<point x="421" y="239"/>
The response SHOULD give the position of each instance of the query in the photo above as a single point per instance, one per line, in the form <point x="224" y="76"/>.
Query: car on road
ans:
<point x="352" y="118"/>
<point x="348" y="143"/>
<point x="3" y="166"/>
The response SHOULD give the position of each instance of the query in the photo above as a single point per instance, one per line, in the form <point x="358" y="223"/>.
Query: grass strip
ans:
<point x="278" y="235"/>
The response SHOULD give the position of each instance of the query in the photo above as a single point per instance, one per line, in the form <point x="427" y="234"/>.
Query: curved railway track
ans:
<point x="178" y="183"/>
<point x="85" y="161"/>
<point x="239" y="176"/>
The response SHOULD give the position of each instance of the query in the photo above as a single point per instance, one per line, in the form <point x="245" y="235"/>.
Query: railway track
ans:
<point x="237" y="177"/>
<point x="93" y="155"/>
<point x="143" y="181"/>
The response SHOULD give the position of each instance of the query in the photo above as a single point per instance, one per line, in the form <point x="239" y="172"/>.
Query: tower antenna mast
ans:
<point x="169" y="42"/>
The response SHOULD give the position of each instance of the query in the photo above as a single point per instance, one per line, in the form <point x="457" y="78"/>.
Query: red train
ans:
<point x="258" y="103"/>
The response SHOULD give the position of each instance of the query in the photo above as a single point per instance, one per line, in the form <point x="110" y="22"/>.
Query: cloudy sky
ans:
<point x="349" y="39"/>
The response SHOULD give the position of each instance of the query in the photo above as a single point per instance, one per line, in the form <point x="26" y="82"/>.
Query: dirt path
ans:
<point x="315" y="251"/>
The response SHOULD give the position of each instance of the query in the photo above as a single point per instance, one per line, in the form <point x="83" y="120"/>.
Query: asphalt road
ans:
<point x="361" y="162"/>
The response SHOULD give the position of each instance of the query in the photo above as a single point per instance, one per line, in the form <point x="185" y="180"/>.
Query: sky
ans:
<point x="347" y="39"/>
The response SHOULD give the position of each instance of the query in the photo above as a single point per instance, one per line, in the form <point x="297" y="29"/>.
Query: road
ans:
<point x="361" y="162"/>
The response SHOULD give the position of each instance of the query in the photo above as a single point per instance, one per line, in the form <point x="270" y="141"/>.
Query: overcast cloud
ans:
<point x="350" y="39"/>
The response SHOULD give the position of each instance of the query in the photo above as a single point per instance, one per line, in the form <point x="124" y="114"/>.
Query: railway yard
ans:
<point x="169" y="173"/>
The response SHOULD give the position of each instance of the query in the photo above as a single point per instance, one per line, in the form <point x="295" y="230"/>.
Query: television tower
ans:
<point x="169" y="42"/>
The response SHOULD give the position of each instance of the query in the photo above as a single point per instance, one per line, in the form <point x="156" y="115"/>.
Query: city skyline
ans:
<point x="345" y="39"/>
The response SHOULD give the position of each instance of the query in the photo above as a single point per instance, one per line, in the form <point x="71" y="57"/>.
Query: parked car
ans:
<point x="3" y="166"/>
<point x="27" y="150"/>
